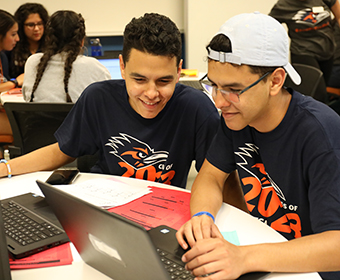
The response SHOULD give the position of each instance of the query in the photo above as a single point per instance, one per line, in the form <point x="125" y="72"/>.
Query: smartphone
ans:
<point x="63" y="176"/>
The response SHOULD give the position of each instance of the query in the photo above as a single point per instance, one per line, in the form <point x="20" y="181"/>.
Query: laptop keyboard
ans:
<point x="175" y="268"/>
<point x="195" y="84"/>
<point x="23" y="226"/>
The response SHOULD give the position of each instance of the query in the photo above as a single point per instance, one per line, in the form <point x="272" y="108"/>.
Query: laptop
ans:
<point x="5" y="273"/>
<point x="116" y="246"/>
<point x="112" y="64"/>
<point x="191" y="83"/>
<point x="30" y="225"/>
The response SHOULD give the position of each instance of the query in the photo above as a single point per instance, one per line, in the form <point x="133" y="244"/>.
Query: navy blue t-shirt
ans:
<point x="159" y="149"/>
<point x="291" y="175"/>
<point x="310" y="30"/>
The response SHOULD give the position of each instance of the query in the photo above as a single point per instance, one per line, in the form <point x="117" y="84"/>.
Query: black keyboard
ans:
<point x="23" y="226"/>
<point x="174" y="267"/>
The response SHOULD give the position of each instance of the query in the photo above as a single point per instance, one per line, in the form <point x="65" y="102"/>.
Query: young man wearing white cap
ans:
<point x="286" y="149"/>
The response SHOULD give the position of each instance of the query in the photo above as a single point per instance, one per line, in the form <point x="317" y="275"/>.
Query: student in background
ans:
<point x="311" y="32"/>
<point x="333" y="85"/>
<point x="145" y="126"/>
<point x="31" y="18"/>
<point x="61" y="73"/>
<point x="285" y="147"/>
<point x="8" y="39"/>
<point x="334" y="80"/>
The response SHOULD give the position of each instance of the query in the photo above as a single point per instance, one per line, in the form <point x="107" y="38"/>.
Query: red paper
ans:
<point x="161" y="207"/>
<point x="60" y="255"/>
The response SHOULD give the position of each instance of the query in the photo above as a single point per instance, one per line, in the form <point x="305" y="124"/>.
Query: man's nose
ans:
<point x="152" y="92"/>
<point x="220" y="100"/>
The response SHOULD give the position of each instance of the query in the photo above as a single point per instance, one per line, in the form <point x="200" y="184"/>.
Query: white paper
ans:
<point x="105" y="193"/>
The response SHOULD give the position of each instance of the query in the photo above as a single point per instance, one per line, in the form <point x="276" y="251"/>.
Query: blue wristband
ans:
<point x="9" y="171"/>
<point x="205" y="213"/>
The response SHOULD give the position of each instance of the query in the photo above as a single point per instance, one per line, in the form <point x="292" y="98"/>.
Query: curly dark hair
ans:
<point x="65" y="32"/>
<point x="21" y="51"/>
<point x="221" y="43"/>
<point x="6" y="23"/>
<point x="154" y="34"/>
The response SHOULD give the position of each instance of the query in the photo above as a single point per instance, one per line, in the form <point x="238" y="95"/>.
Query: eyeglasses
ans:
<point x="230" y="95"/>
<point x="32" y="25"/>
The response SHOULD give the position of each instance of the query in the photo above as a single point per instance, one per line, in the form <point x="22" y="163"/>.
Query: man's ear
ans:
<point x="179" y="70"/>
<point x="277" y="80"/>
<point x="122" y="66"/>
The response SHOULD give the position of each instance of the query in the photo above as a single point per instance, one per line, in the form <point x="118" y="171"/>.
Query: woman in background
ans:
<point x="8" y="39"/>
<point x="311" y="32"/>
<point x="61" y="73"/>
<point x="31" y="18"/>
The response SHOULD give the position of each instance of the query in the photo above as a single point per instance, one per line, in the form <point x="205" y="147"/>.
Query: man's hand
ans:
<point x="197" y="228"/>
<point x="216" y="257"/>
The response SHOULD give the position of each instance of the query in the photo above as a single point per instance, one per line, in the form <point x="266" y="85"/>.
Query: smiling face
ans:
<point x="8" y="42"/>
<point x="34" y="33"/>
<point x="254" y="108"/>
<point x="150" y="81"/>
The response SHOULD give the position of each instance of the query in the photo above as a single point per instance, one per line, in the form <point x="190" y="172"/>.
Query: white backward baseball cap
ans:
<point x="256" y="40"/>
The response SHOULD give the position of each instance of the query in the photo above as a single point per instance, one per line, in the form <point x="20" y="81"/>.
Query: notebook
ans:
<point x="5" y="273"/>
<point x="30" y="225"/>
<point x="118" y="247"/>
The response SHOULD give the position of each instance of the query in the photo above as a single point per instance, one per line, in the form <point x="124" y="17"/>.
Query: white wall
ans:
<point x="107" y="17"/>
<point x="204" y="18"/>
<point x="198" y="19"/>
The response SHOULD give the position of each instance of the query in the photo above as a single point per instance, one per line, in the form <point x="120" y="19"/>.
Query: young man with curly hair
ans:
<point x="145" y="126"/>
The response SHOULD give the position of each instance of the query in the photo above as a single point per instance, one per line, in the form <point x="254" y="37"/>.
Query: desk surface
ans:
<point x="249" y="230"/>
<point x="15" y="97"/>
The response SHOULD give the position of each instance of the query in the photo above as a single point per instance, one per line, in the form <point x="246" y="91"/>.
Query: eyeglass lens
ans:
<point x="33" y="25"/>
<point x="211" y="90"/>
<point x="230" y="96"/>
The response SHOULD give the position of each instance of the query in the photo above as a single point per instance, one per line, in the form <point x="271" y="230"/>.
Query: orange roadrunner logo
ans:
<point x="140" y="160"/>
<point x="311" y="19"/>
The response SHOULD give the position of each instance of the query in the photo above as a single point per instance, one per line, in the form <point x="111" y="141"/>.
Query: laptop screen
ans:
<point x="5" y="273"/>
<point x="112" y="64"/>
